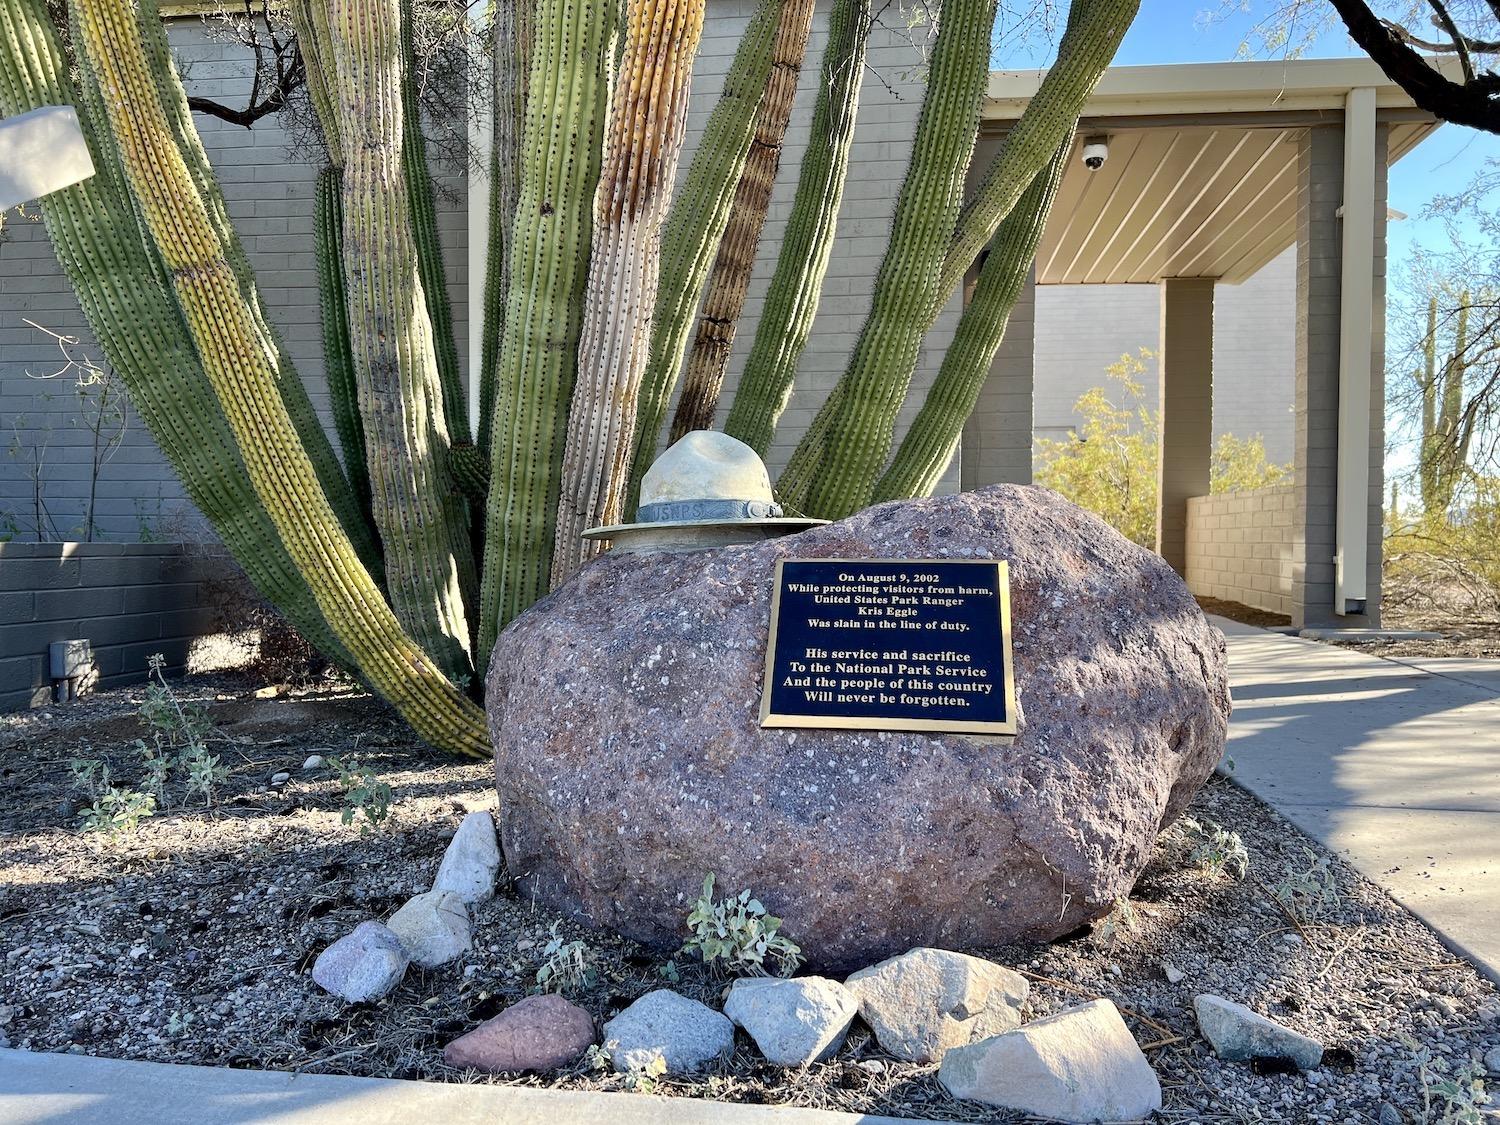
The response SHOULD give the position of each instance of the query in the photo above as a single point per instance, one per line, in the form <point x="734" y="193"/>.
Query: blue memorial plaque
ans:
<point x="890" y="644"/>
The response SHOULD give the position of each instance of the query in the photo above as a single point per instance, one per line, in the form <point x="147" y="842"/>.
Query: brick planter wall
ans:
<point x="128" y="599"/>
<point x="1239" y="547"/>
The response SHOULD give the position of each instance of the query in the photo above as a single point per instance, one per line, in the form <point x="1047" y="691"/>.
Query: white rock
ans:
<point x="793" y="1022"/>
<point x="433" y="928"/>
<point x="313" y="762"/>
<point x="1491" y="1062"/>
<point x="280" y="778"/>
<point x="361" y="966"/>
<point x="471" y="861"/>
<point x="1079" y="1065"/>
<point x="1238" y="1034"/>
<point x="683" y="1033"/>
<point x="1173" y="974"/>
<point x="926" y="1001"/>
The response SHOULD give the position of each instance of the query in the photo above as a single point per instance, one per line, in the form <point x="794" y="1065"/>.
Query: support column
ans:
<point x="1337" y="516"/>
<point x="1187" y="409"/>
<point x="996" y="446"/>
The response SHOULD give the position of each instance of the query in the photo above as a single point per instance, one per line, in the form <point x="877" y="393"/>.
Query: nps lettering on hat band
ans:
<point x="685" y="511"/>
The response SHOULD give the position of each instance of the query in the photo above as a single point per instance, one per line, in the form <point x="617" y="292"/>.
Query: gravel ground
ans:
<point x="191" y="939"/>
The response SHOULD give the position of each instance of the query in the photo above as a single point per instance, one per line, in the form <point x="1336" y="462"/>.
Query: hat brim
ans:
<point x="782" y="523"/>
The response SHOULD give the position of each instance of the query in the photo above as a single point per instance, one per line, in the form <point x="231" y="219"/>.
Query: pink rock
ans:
<point x="537" y="1033"/>
<point x="624" y="710"/>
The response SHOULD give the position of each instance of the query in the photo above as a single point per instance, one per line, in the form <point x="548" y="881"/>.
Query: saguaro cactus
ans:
<point x="861" y="419"/>
<point x="697" y="222"/>
<point x="646" y="127"/>
<point x="729" y="281"/>
<point x="792" y="298"/>
<point x="239" y="365"/>
<point x="934" y="433"/>
<point x="565" y="113"/>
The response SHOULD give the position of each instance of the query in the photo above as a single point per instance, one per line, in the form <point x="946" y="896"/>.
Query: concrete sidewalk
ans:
<point x="82" y="1090"/>
<point x="1394" y="764"/>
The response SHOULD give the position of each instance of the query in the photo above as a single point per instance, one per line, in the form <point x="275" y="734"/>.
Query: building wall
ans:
<point x="130" y="600"/>
<point x="1254" y="350"/>
<point x="1239" y="547"/>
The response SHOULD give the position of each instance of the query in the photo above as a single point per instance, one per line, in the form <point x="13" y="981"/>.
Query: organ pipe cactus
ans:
<point x="724" y="299"/>
<point x="416" y="503"/>
<point x="697" y="222"/>
<point x="792" y="298"/>
<point x="240" y="367"/>
<point x="565" y="111"/>
<point x="834" y="477"/>
<point x="934" y="434"/>
<point x="647" y="121"/>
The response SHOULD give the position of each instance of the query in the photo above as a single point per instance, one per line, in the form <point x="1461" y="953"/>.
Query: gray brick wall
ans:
<point x="1239" y="547"/>
<point x="129" y="599"/>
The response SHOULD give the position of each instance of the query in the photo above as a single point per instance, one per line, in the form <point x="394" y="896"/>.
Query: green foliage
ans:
<point x="1311" y="891"/>
<point x="364" y="794"/>
<point x="565" y="965"/>
<point x="1108" y="464"/>
<point x="737" y="935"/>
<point x="1444" y="564"/>
<point x="1451" y="1095"/>
<point x="115" y="809"/>
<point x="1215" y="848"/>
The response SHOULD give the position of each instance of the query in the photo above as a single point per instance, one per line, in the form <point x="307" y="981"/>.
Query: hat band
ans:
<point x="692" y="511"/>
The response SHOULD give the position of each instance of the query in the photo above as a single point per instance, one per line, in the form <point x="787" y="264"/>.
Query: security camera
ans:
<point x="1095" y="152"/>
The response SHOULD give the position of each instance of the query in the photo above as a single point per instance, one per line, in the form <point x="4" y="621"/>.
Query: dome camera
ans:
<point x="1095" y="152"/>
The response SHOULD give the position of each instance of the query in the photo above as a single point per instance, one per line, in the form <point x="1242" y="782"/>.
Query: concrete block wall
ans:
<point x="1239" y="547"/>
<point x="129" y="600"/>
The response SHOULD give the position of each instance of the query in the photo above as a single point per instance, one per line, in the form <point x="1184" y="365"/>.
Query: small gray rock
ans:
<point x="683" y="1033"/>
<point x="926" y="1001"/>
<point x="361" y="966"/>
<point x="1390" y="1115"/>
<point x="1079" y="1065"/>
<point x="793" y="1022"/>
<point x="1173" y="974"/>
<point x="313" y="762"/>
<point x="1491" y="1062"/>
<point x="1238" y="1034"/>
<point x="433" y="928"/>
<point x="280" y="778"/>
<point x="471" y="861"/>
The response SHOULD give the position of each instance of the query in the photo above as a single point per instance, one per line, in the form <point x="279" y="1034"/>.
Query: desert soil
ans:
<point x="191" y="939"/>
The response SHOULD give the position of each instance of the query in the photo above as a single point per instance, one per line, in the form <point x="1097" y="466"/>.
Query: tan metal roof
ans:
<point x="1201" y="177"/>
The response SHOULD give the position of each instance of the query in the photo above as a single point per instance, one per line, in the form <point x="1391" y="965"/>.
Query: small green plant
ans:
<point x="114" y="809"/>
<point x="565" y="965"/>
<point x="1120" y="921"/>
<point x="180" y="732"/>
<point x="364" y="794"/>
<point x="643" y="1079"/>
<point x="597" y="1057"/>
<point x="1215" y="848"/>
<point x="1450" y="1095"/>
<point x="1309" y="892"/>
<point x="736" y="934"/>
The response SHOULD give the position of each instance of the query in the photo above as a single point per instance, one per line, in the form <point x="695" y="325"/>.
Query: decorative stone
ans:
<point x="683" y="1033"/>
<point x="363" y="965"/>
<point x="433" y="928"/>
<point x="471" y="861"/>
<point x="1492" y="1062"/>
<point x="537" y="1033"/>
<point x="1079" y="1065"/>
<point x="793" y="1022"/>
<point x="629" y="758"/>
<point x="1173" y="974"/>
<point x="927" y="1001"/>
<point x="313" y="762"/>
<point x="1238" y="1034"/>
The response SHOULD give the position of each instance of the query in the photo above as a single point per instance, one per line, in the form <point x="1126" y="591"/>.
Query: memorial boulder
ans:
<point x="632" y="759"/>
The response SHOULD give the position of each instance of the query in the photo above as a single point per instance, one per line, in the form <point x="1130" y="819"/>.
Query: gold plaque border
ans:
<point x="1007" y="729"/>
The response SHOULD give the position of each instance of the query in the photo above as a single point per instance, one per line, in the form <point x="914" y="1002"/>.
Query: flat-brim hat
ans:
<point x="707" y="490"/>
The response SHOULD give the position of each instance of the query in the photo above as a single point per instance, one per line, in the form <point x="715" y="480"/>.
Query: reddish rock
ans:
<point x="630" y="762"/>
<point x="537" y="1033"/>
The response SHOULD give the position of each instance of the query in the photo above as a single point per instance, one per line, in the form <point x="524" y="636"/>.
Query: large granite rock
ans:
<point x="630" y="762"/>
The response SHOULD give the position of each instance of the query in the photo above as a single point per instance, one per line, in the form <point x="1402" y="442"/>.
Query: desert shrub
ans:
<point x="1445" y="566"/>
<point x="565" y="965"/>
<point x="1108" y="464"/>
<point x="1214" y="847"/>
<point x="1310" y="891"/>
<point x="364" y="794"/>
<point x="737" y="935"/>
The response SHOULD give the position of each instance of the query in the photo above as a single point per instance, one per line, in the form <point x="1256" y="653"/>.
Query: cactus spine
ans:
<point x="565" y="111"/>
<point x="697" y="222"/>
<point x="240" y="367"/>
<point x="418" y="508"/>
<point x="647" y="121"/>
<point x="835" y="477"/>
<point x="934" y="434"/>
<point x="729" y="281"/>
<point x="791" y="303"/>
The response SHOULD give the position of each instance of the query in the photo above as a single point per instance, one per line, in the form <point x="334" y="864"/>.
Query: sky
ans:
<point x="1175" y="31"/>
